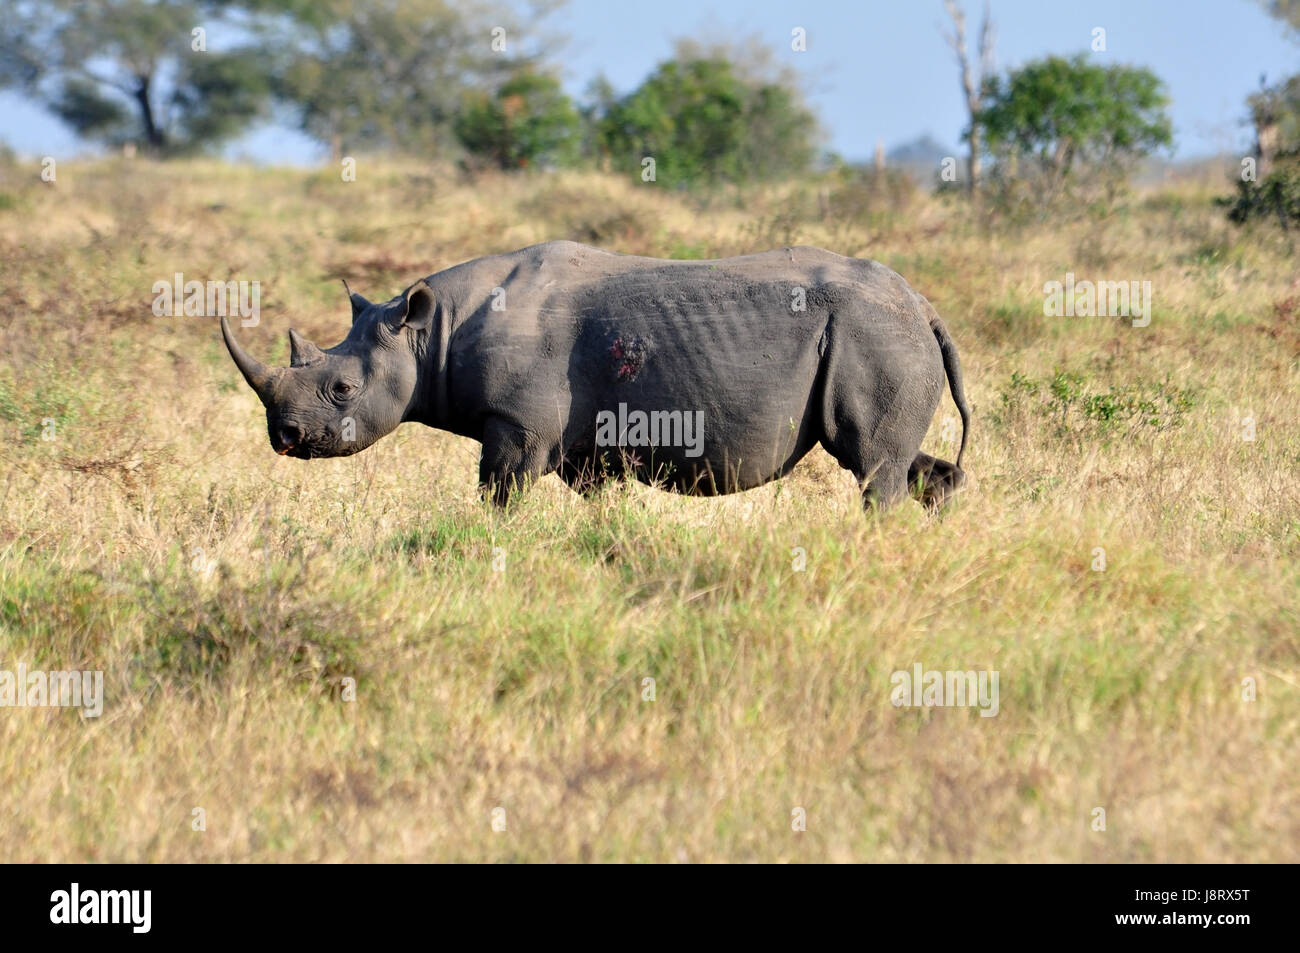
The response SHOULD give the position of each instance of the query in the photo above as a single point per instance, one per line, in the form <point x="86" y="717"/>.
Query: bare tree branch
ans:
<point x="971" y="87"/>
<point x="987" y="39"/>
<point x="82" y="70"/>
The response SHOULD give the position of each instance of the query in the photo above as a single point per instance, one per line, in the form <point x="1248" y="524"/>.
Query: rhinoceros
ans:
<point x="707" y="377"/>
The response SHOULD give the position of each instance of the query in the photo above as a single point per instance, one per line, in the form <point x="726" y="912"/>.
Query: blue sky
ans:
<point x="878" y="69"/>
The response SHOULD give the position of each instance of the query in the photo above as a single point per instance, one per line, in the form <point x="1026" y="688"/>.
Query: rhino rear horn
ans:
<point x="260" y="377"/>
<point x="302" y="351"/>
<point x="359" y="304"/>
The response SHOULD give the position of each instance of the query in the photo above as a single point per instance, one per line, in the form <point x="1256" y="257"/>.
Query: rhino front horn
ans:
<point x="260" y="377"/>
<point x="302" y="351"/>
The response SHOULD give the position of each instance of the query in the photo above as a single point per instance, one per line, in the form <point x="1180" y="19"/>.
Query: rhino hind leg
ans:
<point x="877" y="446"/>
<point x="887" y="487"/>
<point x="933" y="481"/>
<point x="880" y="468"/>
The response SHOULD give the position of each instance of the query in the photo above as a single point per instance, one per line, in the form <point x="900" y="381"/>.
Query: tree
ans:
<point x="132" y="70"/>
<point x="376" y="74"/>
<point x="971" y="85"/>
<point x="1056" y="117"/>
<point x="701" y="120"/>
<point x="1275" y="110"/>
<point x="529" y="119"/>
<point x="1273" y="190"/>
<point x="1275" y="114"/>
<point x="1288" y="11"/>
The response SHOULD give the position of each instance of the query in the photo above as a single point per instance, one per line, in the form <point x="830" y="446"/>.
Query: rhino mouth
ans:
<point x="309" y="452"/>
<point x="299" y="451"/>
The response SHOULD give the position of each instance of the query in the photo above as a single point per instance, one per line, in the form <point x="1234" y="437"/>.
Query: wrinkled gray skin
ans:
<point x="578" y="331"/>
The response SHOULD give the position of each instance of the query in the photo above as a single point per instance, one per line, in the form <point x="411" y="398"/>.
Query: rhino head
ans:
<point x="337" y="401"/>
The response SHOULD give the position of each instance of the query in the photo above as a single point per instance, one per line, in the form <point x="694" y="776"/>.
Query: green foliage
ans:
<point x="780" y="133"/>
<point x="51" y="399"/>
<point x="702" y="122"/>
<point x="1275" y="112"/>
<point x="445" y="537"/>
<point x="362" y="76"/>
<point x="85" y="109"/>
<point x="1078" y="413"/>
<point x="220" y="94"/>
<point x="1276" y="197"/>
<point x="528" y="120"/>
<point x="1062" y="111"/>
<point x="420" y="76"/>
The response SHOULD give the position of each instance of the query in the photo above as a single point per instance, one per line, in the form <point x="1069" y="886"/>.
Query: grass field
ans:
<point x="229" y="595"/>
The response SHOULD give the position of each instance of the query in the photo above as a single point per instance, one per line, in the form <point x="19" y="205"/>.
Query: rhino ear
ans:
<point x="359" y="304"/>
<point x="416" y="311"/>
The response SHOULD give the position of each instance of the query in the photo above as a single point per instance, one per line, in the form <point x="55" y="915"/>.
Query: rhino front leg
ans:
<point x="585" y="474"/>
<point x="512" y="459"/>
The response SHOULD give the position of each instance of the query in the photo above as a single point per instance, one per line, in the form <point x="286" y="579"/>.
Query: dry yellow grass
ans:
<point x="522" y="689"/>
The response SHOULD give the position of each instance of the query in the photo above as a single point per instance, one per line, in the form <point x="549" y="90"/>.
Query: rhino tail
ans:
<point x="952" y="367"/>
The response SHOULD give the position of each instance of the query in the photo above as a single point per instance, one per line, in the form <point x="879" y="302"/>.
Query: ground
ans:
<point x="356" y="659"/>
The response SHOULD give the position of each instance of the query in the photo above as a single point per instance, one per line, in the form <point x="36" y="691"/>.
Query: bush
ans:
<point x="1082" y="415"/>
<point x="702" y="122"/>
<point x="529" y="120"/>
<point x="1277" y="196"/>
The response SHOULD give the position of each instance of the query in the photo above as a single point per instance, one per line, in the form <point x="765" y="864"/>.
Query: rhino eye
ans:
<point x="343" y="390"/>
